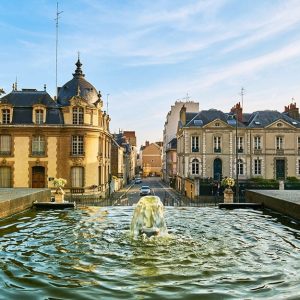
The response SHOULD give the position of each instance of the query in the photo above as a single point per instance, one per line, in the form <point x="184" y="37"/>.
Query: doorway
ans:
<point x="217" y="169"/>
<point x="280" y="169"/>
<point x="38" y="177"/>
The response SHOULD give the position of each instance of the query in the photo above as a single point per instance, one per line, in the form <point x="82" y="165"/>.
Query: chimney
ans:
<point x="237" y="109"/>
<point x="292" y="111"/>
<point x="147" y="143"/>
<point x="182" y="115"/>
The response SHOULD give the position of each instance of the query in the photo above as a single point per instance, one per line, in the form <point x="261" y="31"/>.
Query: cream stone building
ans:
<point x="41" y="138"/>
<point x="169" y="133"/>
<point x="210" y="144"/>
<point x="151" y="162"/>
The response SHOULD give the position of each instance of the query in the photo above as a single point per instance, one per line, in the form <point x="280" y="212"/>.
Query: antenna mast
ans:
<point x="107" y="103"/>
<point x="56" y="19"/>
<point x="242" y="95"/>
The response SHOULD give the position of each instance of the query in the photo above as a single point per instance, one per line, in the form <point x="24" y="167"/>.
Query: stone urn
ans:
<point x="228" y="195"/>
<point x="59" y="195"/>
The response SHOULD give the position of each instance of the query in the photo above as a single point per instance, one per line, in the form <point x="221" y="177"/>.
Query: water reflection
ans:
<point x="88" y="253"/>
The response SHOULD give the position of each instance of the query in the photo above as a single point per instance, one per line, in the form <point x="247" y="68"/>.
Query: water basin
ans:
<point x="209" y="253"/>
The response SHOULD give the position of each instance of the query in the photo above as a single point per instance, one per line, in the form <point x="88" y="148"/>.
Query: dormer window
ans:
<point x="77" y="115"/>
<point x="6" y="116"/>
<point x="39" y="116"/>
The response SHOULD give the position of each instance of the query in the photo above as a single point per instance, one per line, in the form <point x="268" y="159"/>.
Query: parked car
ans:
<point x="145" y="190"/>
<point x="138" y="180"/>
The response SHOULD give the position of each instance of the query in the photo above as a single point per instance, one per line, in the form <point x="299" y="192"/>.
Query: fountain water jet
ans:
<point x="148" y="218"/>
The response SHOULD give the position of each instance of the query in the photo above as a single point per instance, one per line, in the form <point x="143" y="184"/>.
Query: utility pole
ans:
<point x="56" y="46"/>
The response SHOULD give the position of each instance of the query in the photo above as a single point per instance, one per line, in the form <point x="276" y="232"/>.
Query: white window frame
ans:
<point x="257" y="166"/>
<point x="241" y="167"/>
<point x="195" y="143"/>
<point x="257" y="142"/>
<point x="5" y="144"/>
<point x="38" y="145"/>
<point x="279" y="142"/>
<point x="195" y="167"/>
<point x="78" y="115"/>
<point x="39" y="116"/>
<point x="77" y="176"/>
<point x="77" y="145"/>
<point x="6" y="115"/>
<point x="217" y="143"/>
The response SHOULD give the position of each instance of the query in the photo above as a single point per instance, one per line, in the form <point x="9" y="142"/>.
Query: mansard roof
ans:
<point x="258" y="119"/>
<point x="28" y="97"/>
<point x="23" y="102"/>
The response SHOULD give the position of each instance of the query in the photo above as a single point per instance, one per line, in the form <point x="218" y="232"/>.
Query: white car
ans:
<point x="145" y="190"/>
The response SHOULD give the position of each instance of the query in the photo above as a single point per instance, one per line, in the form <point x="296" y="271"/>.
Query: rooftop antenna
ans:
<point x="242" y="95"/>
<point x="187" y="98"/>
<point x="56" y="19"/>
<point x="107" y="103"/>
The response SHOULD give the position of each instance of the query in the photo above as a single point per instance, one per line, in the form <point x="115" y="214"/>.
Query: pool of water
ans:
<point x="88" y="254"/>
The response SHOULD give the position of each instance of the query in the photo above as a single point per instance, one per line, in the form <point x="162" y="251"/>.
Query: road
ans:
<point x="156" y="186"/>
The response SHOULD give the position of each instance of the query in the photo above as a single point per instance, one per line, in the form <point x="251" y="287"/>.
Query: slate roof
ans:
<point x="77" y="86"/>
<point x="172" y="144"/>
<point x="258" y="119"/>
<point x="23" y="102"/>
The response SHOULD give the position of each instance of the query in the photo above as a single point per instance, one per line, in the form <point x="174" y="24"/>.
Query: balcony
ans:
<point x="217" y="150"/>
<point x="5" y="153"/>
<point x="76" y="154"/>
<point x="279" y="152"/>
<point x="38" y="153"/>
<point x="257" y="151"/>
<point x="195" y="149"/>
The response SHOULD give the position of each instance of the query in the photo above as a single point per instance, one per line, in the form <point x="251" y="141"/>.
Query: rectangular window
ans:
<point x="298" y="167"/>
<point x="195" y="143"/>
<point x="279" y="142"/>
<point x="240" y="144"/>
<point x="298" y="142"/>
<point x="257" y="167"/>
<point x="5" y="144"/>
<point x="217" y="144"/>
<point x="39" y="116"/>
<point x="240" y="167"/>
<point x="5" y="116"/>
<point x="257" y="143"/>
<point x="77" y="145"/>
<point x="38" y="145"/>
<point x="77" y="115"/>
<point x="77" y="177"/>
<point x="5" y="177"/>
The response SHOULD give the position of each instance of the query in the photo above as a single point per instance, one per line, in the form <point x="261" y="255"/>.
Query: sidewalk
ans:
<point x="118" y="195"/>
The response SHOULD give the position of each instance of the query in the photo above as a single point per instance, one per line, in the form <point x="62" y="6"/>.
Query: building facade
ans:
<point x="170" y="130"/>
<point x="42" y="138"/>
<point x="151" y="155"/>
<point x="211" y="144"/>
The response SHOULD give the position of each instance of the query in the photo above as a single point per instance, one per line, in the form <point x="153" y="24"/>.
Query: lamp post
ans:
<point x="236" y="157"/>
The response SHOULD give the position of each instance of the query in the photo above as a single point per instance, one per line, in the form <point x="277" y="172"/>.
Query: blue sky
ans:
<point x="146" y="54"/>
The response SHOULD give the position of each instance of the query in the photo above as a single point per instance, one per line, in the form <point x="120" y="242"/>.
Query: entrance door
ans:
<point x="38" y="177"/>
<point x="217" y="169"/>
<point x="280" y="169"/>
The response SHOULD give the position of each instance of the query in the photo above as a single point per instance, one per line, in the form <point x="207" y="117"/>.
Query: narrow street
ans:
<point x="158" y="188"/>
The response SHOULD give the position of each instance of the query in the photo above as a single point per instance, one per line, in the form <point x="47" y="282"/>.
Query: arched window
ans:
<point x="195" y="166"/>
<point x="240" y="167"/>
<point x="77" y="115"/>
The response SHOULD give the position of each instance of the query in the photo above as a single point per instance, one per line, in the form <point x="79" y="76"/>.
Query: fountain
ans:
<point x="148" y="218"/>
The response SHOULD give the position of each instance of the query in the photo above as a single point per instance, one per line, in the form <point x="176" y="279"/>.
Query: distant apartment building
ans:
<point x="151" y="159"/>
<point x="169" y="133"/>
<point x="212" y="144"/>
